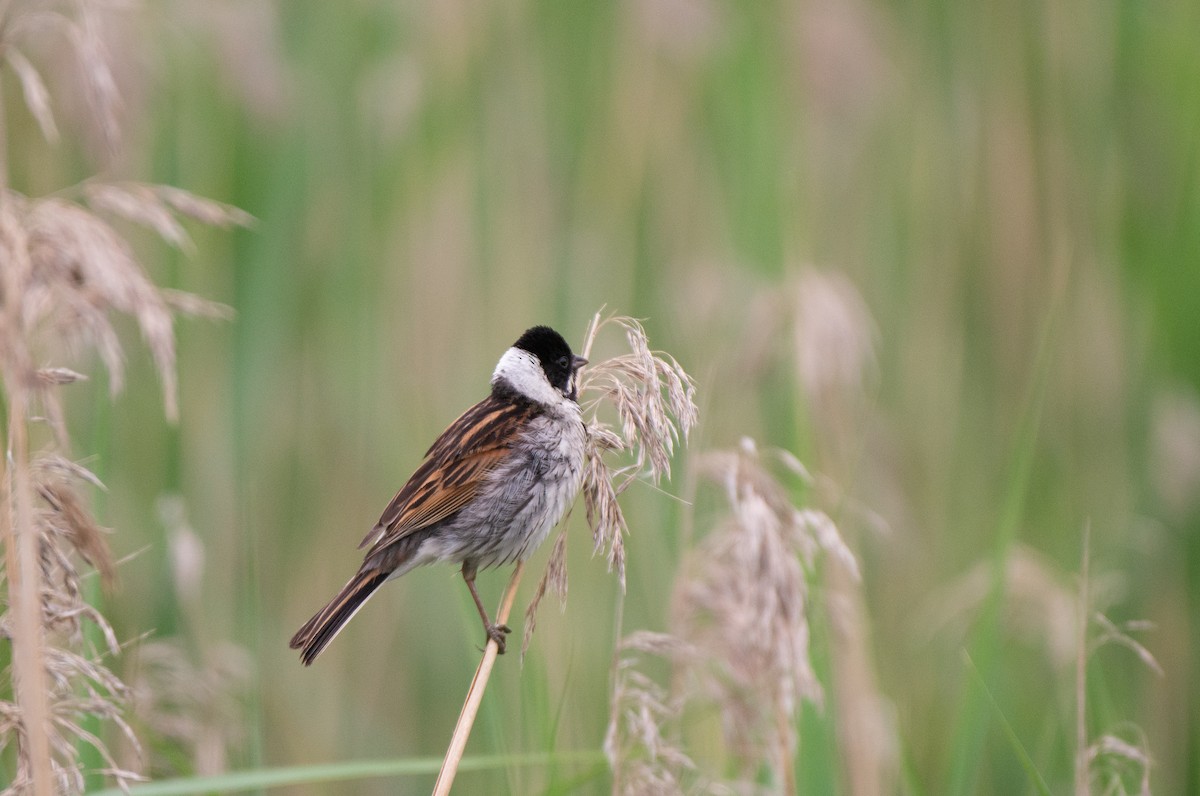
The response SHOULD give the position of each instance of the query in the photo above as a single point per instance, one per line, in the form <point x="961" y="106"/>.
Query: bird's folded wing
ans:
<point x="454" y="468"/>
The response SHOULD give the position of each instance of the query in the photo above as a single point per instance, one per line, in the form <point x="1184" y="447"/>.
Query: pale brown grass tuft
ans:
<point x="66" y="514"/>
<point x="740" y="619"/>
<point x="1110" y="756"/>
<point x="654" y="401"/>
<point x="193" y="702"/>
<point x="1039" y="603"/>
<point x="80" y="273"/>
<point x="66" y="275"/>
<point x="77" y="681"/>
<point x="641" y="743"/>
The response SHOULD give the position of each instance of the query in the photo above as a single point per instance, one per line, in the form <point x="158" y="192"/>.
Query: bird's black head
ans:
<point x="554" y="355"/>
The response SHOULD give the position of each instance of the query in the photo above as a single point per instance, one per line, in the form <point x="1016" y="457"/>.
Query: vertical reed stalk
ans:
<point x="21" y="554"/>
<point x="1081" y="654"/>
<point x="466" y="719"/>
<point x="25" y="588"/>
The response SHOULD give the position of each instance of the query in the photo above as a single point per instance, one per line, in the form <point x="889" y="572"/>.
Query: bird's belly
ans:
<point x="517" y="507"/>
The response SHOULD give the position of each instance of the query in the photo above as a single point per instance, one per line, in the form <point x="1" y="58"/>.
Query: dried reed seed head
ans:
<point x="1040" y="603"/>
<point x="604" y="514"/>
<point x="1120" y="635"/>
<point x="139" y="204"/>
<point x="742" y="599"/>
<point x="66" y="511"/>
<point x="81" y="689"/>
<point x="196" y="306"/>
<point x="65" y="271"/>
<point x="100" y="87"/>
<point x="197" y="704"/>
<point x="29" y="21"/>
<point x="83" y="28"/>
<point x="834" y="335"/>
<point x="59" y="376"/>
<point x="740" y="607"/>
<point x="37" y="98"/>
<point x="642" y="719"/>
<point x="156" y="207"/>
<point x="67" y="530"/>
<point x="71" y="270"/>
<point x="553" y="579"/>
<point x="655" y="401"/>
<point x="653" y="396"/>
<point x="662" y="645"/>
<point x="206" y="211"/>
<point x="83" y="270"/>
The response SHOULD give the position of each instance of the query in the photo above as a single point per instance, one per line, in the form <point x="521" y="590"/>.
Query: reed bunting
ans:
<point x="488" y="491"/>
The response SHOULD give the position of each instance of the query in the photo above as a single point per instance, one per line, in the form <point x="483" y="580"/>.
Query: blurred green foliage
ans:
<point x="430" y="179"/>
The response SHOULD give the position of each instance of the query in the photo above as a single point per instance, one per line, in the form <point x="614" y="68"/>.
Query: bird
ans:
<point x="488" y="491"/>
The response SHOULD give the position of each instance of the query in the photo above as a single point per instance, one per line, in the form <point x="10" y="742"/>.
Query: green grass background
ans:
<point x="1014" y="188"/>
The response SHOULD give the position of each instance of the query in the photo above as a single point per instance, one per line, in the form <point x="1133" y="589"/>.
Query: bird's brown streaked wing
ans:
<point x="454" y="467"/>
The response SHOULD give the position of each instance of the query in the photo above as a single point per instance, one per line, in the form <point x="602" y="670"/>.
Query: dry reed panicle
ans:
<point x="654" y="401"/>
<point x="740" y="611"/>
<point x="1109" y="757"/>
<point x="834" y="336"/>
<point x="66" y="273"/>
<point x="196" y="707"/>
<point x="1039" y="603"/>
<point x="643" y="730"/>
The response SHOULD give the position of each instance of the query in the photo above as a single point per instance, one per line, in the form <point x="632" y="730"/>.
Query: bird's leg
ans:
<point x="496" y="633"/>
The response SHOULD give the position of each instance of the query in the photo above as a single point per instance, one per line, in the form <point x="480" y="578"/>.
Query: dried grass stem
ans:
<point x="466" y="718"/>
<point x="25" y="588"/>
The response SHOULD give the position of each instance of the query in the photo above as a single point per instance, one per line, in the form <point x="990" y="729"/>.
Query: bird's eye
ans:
<point x="563" y="362"/>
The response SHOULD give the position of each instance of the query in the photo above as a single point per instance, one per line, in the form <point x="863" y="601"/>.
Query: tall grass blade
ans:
<point x="1035" y="776"/>
<point x="267" y="778"/>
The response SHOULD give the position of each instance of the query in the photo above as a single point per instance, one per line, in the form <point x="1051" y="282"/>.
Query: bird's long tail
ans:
<point x="327" y="623"/>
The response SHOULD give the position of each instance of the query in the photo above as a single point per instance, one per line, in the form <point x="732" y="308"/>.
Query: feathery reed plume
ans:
<point x="834" y="337"/>
<point x="834" y="361"/>
<point x="1175" y="451"/>
<point x="643" y="727"/>
<point x="1039" y="603"/>
<point x="654" y="401"/>
<point x="1109" y="756"/>
<point x="76" y="682"/>
<point x="187" y="691"/>
<point x="740" y="609"/>
<point x="194" y="706"/>
<point x="66" y="273"/>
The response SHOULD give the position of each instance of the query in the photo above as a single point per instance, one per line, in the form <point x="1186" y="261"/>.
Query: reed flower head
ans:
<point x="641" y="743"/>
<point x="834" y="336"/>
<point x="740" y="619"/>
<point x="78" y="680"/>
<point x="653" y="398"/>
<point x="67" y="274"/>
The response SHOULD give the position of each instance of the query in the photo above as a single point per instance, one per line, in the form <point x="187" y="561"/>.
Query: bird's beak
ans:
<point x="572" y="390"/>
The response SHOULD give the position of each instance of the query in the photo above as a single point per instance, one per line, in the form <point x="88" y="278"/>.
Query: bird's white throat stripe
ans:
<point x="524" y="374"/>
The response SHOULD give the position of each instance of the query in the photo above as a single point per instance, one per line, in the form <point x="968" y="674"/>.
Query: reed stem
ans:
<point x="466" y="719"/>
<point x="25" y="589"/>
